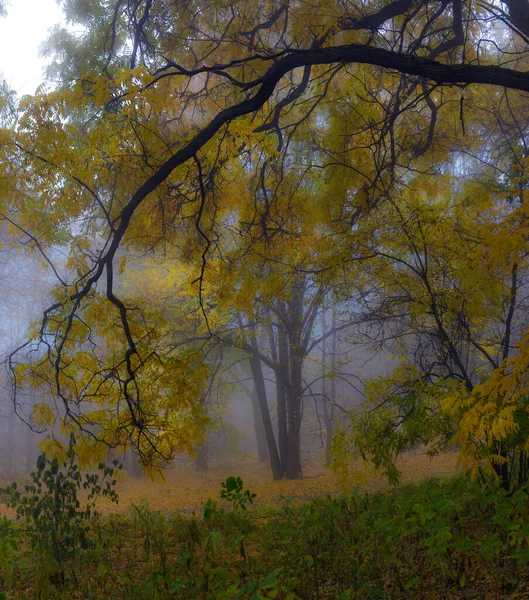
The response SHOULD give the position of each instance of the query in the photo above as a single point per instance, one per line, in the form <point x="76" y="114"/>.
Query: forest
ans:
<point x="250" y="244"/>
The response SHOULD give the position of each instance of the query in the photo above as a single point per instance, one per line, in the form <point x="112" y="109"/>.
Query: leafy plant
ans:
<point x="8" y="546"/>
<point x="232" y="490"/>
<point x="56" y="524"/>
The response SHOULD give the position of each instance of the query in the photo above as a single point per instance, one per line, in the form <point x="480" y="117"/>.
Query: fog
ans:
<point x="25" y="293"/>
<point x="345" y="348"/>
<point x="334" y="376"/>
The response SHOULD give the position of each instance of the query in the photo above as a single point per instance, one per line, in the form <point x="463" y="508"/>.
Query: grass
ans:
<point x="438" y="539"/>
<point x="299" y="539"/>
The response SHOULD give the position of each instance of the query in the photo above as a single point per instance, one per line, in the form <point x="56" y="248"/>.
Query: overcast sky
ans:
<point x="21" y="33"/>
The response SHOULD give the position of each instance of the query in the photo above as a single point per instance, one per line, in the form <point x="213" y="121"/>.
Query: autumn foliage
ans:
<point x="224" y="176"/>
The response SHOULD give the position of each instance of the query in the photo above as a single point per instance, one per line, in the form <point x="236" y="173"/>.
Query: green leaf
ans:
<point x="271" y="579"/>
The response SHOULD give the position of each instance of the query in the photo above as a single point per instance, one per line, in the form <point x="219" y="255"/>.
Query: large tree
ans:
<point x="155" y="122"/>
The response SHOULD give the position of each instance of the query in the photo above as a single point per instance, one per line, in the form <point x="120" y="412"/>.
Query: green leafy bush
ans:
<point x="8" y="547"/>
<point x="56" y="524"/>
<point x="232" y="490"/>
<point x="434" y="540"/>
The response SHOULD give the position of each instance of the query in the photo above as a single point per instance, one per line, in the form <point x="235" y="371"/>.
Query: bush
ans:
<point x="56" y="525"/>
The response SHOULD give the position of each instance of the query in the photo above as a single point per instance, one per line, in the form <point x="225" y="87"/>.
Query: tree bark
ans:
<point x="326" y="399"/>
<point x="295" y="389"/>
<point x="282" y="383"/>
<point x="329" y="425"/>
<point x="201" y="463"/>
<point x="294" y="470"/>
<point x="257" y="373"/>
<point x="260" y="437"/>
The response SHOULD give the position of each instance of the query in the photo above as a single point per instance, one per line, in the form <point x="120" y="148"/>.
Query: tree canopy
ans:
<point x="254" y="150"/>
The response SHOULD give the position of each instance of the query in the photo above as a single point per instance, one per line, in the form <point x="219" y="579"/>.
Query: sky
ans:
<point x="21" y="34"/>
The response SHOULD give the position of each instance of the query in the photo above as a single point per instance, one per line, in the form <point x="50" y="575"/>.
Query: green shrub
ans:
<point x="56" y="524"/>
<point x="232" y="490"/>
<point x="8" y="547"/>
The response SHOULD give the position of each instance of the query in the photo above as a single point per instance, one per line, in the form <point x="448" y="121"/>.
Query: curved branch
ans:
<point x="441" y="74"/>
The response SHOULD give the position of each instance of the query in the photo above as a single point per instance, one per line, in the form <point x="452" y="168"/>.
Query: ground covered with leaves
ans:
<point x="185" y="489"/>
<point x="439" y="538"/>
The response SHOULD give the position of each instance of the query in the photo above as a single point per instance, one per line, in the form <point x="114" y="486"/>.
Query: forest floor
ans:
<point x="187" y="490"/>
<point x="441" y="537"/>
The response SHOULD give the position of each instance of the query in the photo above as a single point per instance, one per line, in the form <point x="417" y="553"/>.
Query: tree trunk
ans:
<point x="279" y="352"/>
<point x="502" y="471"/>
<point x="201" y="463"/>
<point x="131" y="463"/>
<point x="260" y="437"/>
<point x="324" y="396"/>
<point x="295" y="388"/>
<point x="257" y="373"/>
<point x="330" y="415"/>
<point x="294" y="426"/>
<point x="282" y="381"/>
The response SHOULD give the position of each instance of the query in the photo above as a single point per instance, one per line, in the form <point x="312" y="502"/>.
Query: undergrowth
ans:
<point x="439" y="539"/>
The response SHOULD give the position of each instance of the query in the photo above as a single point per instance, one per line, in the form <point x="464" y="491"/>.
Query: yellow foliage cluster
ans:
<point x="493" y="418"/>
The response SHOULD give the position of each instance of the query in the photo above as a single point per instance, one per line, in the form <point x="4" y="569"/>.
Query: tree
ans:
<point x="143" y="146"/>
<point x="450" y="268"/>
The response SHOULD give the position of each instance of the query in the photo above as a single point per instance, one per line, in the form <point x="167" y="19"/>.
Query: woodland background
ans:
<point x="300" y="223"/>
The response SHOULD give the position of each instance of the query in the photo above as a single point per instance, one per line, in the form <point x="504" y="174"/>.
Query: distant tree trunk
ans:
<point x="201" y="463"/>
<point x="295" y="389"/>
<point x="282" y="382"/>
<point x="294" y="470"/>
<point x="324" y="395"/>
<point x="131" y="464"/>
<point x="260" y="437"/>
<point x="257" y="373"/>
<point x="288" y="349"/>
<point x="279" y="351"/>
<point x="201" y="449"/>
<point x="329" y="424"/>
<point x="262" y="400"/>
